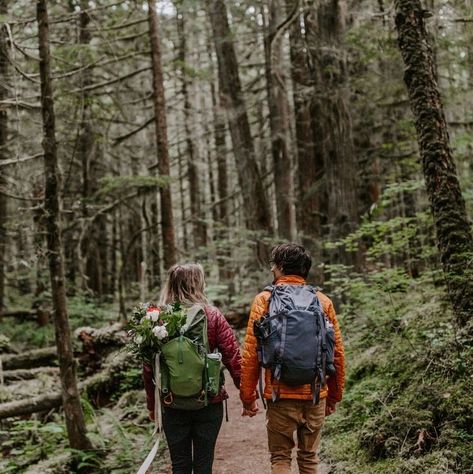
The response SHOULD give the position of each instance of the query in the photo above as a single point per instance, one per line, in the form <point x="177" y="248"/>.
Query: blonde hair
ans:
<point x="185" y="284"/>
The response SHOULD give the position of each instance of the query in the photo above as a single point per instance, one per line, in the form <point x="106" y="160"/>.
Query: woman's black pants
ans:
<point x="191" y="436"/>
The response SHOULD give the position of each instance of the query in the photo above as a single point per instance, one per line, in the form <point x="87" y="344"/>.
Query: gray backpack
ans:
<point x="295" y="339"/>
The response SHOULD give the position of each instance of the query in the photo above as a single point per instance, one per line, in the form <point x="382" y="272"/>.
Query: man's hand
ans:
<point x="330" y="407"/>
<point x="250" y="409"/>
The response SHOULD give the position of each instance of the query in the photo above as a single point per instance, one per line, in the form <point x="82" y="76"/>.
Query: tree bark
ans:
<point x="87" y="261"/>
<point x="256" y="208"/>
<point x="70" y="395"/>
<point x="279" y="122"/>
<point x="167" y="224"/>
<point x="4" y="46"/>
<point x="308" y="172"/>
<point x="222" y="221"/>
<point x="198" y="223"/>
<point x="453" y="228"/>
<point x="331" y="119"/>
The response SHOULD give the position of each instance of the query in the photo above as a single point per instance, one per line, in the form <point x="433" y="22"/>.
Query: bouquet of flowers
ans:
<point x="151" y="326"/>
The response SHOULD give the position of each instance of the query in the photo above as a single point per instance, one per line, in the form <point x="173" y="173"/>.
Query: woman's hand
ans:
<point x="250" y="409"/>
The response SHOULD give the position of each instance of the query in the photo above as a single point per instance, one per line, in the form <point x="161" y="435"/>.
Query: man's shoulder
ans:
<point x="324" y="300"/>
<point x="260" y="301"/>
<point x="262" y="297"/>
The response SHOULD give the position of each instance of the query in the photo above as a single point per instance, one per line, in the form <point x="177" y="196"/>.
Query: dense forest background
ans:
<point x="208" y="131"/>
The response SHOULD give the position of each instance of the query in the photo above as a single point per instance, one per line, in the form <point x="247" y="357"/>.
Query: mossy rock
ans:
<point x="394" y="431"/>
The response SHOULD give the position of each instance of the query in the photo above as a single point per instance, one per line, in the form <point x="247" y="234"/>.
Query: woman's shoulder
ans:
<point x="213" y="313"/>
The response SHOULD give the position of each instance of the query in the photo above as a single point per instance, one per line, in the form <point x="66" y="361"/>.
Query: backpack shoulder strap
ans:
<point x="192" y="315"/>
<point x="193" y="311"/>
<point x="269" y="288"/>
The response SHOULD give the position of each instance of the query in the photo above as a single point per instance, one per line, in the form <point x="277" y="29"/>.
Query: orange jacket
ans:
<point x="250" y="366"/>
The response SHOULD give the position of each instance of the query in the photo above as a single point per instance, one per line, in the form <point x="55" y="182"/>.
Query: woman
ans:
<point x="191" y="434"/>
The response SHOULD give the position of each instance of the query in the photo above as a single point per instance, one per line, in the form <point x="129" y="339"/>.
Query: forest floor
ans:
<point x="242" y="444"/>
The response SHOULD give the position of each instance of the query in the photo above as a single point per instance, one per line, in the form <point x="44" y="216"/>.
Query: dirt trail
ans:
<point x="241" y="445"/>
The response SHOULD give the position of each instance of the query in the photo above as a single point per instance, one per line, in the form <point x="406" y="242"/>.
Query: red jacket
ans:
<point x="221" y="337"/>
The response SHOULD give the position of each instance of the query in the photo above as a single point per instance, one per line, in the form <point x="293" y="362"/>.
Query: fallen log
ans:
<point x="28" y="374"/>
<point x="30" y="405"/>
<point x="6" y="347"/>
<point x="98" y="343"/>
<point x="105" y="337"/>
<point x="41" y="316"/>
<point x="100" y="388"/>
<point x="30" y="359"/>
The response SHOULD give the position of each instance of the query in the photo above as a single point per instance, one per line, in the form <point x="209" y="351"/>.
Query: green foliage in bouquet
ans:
<point x="151" y="326"/>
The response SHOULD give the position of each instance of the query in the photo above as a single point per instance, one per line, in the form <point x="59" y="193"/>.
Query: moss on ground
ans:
<point x="408" y="405"/>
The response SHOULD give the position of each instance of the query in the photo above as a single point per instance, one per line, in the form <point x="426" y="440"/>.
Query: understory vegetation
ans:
<point x="409" y="392"/>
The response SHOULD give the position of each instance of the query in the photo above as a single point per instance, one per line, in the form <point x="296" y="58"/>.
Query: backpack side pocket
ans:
<point x="213" y="369"/>
<point x="330" y="340"/>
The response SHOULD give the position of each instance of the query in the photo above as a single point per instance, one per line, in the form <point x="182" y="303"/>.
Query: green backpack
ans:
<point x="190" y="374"/>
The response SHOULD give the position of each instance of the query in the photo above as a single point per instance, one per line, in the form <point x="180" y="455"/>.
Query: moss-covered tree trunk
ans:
<point x="454" y="236"/>
<point x="3" y="149"/>
<point x="75" y="422"/>
<point x="167" y="223"/>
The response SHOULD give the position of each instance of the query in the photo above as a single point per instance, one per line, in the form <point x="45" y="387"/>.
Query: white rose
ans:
<point x="153" y="315"/>
<point x="138" y="339"/>
<point x="160" y="332"/>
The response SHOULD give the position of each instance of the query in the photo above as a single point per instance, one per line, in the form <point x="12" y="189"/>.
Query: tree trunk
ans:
<point x="4" y="46"/>
<point x="167" y="224"/>
<point x="279" y="122"/>
<point x="70" y="395"/>
<point x="256" y="208"/>
<point x="87" y="261"/>
<point x="308" y="211"/>
<point x="198" y="223"/>
<point x="454" y="236"/>
<point x="222" y="223"/>
<point x="331" y="120"/>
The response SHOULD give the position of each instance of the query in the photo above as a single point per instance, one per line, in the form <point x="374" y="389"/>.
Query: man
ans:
<point x="294" y="409"/>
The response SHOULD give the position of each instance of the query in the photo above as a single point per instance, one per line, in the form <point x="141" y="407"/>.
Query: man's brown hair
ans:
<point x="292" y="259"/>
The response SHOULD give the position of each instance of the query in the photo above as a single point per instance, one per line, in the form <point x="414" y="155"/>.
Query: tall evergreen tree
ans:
<point x="256" y="207"/>
<point x="159" y="102"/>
<point x="279" y="121"/>
<point x="4" y="42"/>
<point x="75" y="422"/>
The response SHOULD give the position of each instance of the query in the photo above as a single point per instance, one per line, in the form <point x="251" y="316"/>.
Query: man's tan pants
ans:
<point x="283" y="419"/>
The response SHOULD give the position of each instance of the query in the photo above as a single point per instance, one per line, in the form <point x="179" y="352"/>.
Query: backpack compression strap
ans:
<point x="158" y="417"/>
